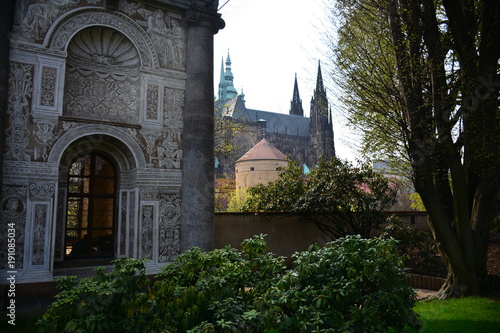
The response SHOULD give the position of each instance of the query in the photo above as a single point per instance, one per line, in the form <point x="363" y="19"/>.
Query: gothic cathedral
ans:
<point x="304" y="140"/>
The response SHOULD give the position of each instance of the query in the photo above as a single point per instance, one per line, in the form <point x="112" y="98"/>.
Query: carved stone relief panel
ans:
<point x="40" y="217"/>
<point x="102" y="77"/>
<point x="34" y="17"/>
<point x="152" y="98"/>
<point x="147" y="230"/>
<point x="169" y="228"/>
<point x="168" y="152"/>
<point x="19" y="103"/>
<point x="13" y="211"/>
<point x="44" y="136"/>
<point x="173" y="105"/>
<point x="164" y="29"/>
<point x="148" y="193"/>
<point x="149" y="145"/>
<point x="101" y="95"/>
<point x="40" y="195"/>
<point x="48" y="86"/>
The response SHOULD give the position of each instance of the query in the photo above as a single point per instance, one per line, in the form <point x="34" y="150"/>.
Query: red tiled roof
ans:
<point x="263" y="151"/>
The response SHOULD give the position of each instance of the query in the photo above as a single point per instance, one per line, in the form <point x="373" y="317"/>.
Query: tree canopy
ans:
<point x="340" y="198"/>
<point x="421" y="79"/>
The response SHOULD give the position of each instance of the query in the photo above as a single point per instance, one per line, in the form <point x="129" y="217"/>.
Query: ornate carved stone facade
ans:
<point x="96" y="109"/>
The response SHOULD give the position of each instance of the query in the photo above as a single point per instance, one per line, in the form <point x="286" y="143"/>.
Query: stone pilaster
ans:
<point x="198" y="134"/>
<point x="6" y="18"/>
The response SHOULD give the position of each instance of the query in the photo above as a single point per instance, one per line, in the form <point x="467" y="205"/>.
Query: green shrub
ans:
<point x="213" y="291"/>
<point x="352" y="284"/>
<point x="95" y="304"/>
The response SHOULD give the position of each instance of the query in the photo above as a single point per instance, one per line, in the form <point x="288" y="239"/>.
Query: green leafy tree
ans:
<point x="422" y="81"/>
<point x="226" y="131"/>
<point x="338" y="197"/>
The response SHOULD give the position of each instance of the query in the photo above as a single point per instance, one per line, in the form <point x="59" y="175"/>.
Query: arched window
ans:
<point x="91" y="207"/>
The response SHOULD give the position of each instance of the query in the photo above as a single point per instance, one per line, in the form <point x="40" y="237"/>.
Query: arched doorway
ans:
<point x="91" y="207"/>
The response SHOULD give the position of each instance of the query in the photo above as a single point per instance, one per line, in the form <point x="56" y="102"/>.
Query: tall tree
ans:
<point x="428" y="72"/>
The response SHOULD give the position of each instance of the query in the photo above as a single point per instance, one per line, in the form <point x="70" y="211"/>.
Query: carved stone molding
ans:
<point x="148" y="193"/>
<point x="90" y="133"/>
<point x="39" y="190"/>
<point x="74" y="22"/>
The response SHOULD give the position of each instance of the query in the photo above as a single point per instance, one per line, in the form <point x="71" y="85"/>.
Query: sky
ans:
<point x="269" y="41"/>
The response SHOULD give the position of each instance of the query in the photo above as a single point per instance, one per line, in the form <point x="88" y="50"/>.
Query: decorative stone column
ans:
<point x="198" y="133"/>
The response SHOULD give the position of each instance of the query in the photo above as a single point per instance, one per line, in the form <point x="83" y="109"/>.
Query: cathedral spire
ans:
<point x="228" y="77"/>
<point x="320" y="124"/>
<point x="296" y="103"/>
<point x="319" y="80"/>
<point x="226" y="86"/>
<point x="222" y="82"/>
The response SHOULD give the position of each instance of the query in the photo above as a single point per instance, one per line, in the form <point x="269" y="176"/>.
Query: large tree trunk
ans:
<point x="455" y="174"/>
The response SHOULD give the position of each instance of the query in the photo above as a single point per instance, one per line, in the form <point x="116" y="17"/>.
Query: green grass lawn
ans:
<point x="469" y="315"/>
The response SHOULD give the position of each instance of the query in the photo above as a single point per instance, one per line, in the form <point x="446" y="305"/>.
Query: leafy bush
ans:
<point x="95" y="304"/>
<point x="208" y="291"/>
<point x="417" y="247"/>
<point x="352" y="284"/>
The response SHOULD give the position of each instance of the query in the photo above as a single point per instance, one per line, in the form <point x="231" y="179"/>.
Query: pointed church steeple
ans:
<point x="226" y="86"/>
<point x="222" y="82"/>
<point x="296" y="103"/>
<point x="319" y="80"/>
<point x="320" y="123"/>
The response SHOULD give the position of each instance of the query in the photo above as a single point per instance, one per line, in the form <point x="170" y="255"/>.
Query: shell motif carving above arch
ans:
<point x="104" y="46"/>
<point x="60" y="36"/>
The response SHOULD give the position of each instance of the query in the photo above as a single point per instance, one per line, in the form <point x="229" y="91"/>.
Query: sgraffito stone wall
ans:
<point x="113" y="78"/>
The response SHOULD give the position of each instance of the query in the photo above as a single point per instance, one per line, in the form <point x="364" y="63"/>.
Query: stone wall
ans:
<point x="285" y="234"/>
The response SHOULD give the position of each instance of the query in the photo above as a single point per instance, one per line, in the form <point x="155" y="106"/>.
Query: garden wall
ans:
<point x="285" y="234"/>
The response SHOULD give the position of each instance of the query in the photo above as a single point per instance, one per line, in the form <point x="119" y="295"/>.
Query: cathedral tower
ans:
<point x="296" y="102"/>
<point x="226" y="86"/>
<point x="320" y="124"/>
